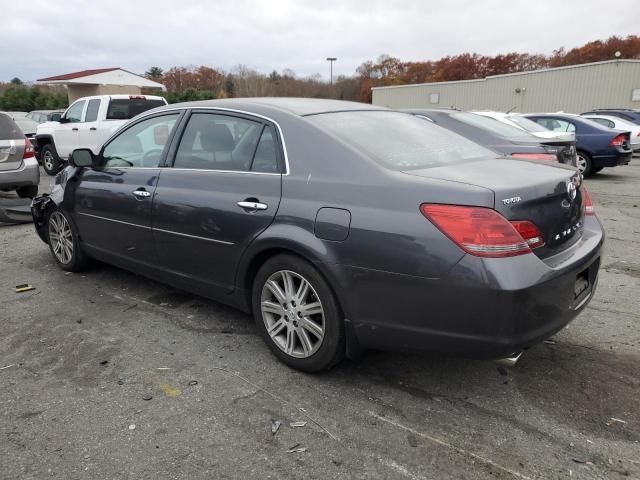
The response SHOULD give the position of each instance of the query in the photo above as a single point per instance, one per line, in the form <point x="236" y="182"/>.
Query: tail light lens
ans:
<point x="547" y="157"/>
<point x="29" y="151"/>
<point x="483" y="232"/>
<point x="587" y="203"/>
<point x="618" y="141"/>
<point x="529" y="233"/>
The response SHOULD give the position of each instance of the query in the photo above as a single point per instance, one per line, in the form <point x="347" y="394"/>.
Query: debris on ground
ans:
<point x="613" y="420"/>
<point x="297" y="448"/>
<point x="24" y="288"/>
<point x="413" y="441"/>
<point x="275" y="425"/>
<point x="132" y="426"/>
<point x="8" y="366"/>
<point x="585" y="462"/>
<point x="193" y="383"/>
<point x="170" y="390"/>
<point x="147" y="397"/>
<point x="104" y="362"/>
<point x="298" y="424"/>
<point x="550" y="342"/>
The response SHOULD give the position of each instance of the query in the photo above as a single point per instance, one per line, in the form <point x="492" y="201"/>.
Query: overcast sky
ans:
<point x="40" y="38"/>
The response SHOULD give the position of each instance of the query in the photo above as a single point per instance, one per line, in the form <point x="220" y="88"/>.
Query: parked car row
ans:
<point x="88" y="122"/>
<point x="340" y="226"/>
<point x="18" y="167"/>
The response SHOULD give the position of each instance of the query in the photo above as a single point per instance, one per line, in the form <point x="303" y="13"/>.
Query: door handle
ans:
<point x="141" y="193"/>
<point x="74" y="129"/>
<point x="252" y="205"/>
<point x="93" y="128"/>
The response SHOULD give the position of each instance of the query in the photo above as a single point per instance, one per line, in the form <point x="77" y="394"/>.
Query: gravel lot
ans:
<point x="99" y="370"/>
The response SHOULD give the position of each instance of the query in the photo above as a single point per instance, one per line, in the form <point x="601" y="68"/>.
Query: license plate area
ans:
<point x="584" y="283"/>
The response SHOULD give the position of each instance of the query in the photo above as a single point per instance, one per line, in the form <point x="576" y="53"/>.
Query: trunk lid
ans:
<point x="11" y="152"/>
<point x="547" y="195"/>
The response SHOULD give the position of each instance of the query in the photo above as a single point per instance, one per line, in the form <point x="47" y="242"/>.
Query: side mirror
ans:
<point x="81" y="157"/>
<point x="63" y="120"/>
<point x="56" y="117"/>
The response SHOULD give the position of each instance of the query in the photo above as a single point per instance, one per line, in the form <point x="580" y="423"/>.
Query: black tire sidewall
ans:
<point x="56" y="160"/>
<point x="333" y="344"/>
<point x="78" y="259"/>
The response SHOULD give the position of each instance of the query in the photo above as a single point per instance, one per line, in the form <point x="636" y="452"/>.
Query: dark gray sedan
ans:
<point x="339" y="225"/>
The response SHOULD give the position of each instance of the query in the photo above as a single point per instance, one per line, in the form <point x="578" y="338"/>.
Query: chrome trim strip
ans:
<point x="223" y="109"/>
<point x="584" y="300"/>
<point x="113" y="220"/>
<point x="192" y="236"/>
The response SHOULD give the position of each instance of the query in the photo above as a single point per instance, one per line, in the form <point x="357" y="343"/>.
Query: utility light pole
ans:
<point x="331" y="60"/>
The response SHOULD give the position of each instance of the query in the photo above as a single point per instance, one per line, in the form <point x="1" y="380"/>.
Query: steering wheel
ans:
<point x="148" y="156"/>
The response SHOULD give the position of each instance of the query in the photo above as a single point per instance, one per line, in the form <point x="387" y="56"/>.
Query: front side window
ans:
<point x="399" y="141"/>
<point x="140" y="145"/>
<point x="218" y="142"/>
<point x="74" y="114"/>
<point x="92" y="110"/>
<point x="528" y="125"/>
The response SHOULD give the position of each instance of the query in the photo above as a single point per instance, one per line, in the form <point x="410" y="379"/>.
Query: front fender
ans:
<point x="40" y="206"/>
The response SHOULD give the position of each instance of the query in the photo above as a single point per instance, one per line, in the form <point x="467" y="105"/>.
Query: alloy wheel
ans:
<point x="292" y="313"/>
<point x="581" y="163"/>
<point x="47" y="159"/>
<point x="61" y="237"/>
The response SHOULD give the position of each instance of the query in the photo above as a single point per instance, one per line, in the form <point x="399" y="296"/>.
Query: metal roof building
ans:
<point x="103" y="81"/>
<point x="575" y="89"/>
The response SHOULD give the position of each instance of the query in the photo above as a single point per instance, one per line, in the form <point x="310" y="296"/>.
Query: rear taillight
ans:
<point x="547" y="157"/>
<point x="29" y="151"/>
<point x="480" y="231"/>
<point x="529" y="233"/>
<point x="618" y="140"/>
<point x="587" y="203"/>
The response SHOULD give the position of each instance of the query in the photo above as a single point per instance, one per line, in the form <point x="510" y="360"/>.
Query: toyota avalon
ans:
<point x="340" y="226"/>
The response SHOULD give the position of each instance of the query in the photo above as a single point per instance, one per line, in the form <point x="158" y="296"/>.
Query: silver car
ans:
<point x="18" y="165"/>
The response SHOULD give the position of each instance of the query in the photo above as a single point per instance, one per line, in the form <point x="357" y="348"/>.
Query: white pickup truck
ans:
<point x="87" y="123"/>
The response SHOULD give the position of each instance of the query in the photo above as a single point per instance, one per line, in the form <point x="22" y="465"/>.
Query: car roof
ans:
<point x="293" y="105"/>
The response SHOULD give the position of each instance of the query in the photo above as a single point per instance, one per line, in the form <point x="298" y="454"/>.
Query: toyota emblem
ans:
<point x="571" y="190"/>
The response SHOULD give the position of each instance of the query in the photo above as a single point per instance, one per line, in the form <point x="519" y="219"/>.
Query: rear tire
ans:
<point x="64" y="242"/>
<point x="51" y="162"/>
<point x="584" y="163"/>
<point x="30" y="191"/>
<point x="297" y="314"/>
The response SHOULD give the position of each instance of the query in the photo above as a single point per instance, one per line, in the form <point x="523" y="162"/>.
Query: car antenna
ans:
<point x="511" y="109"/>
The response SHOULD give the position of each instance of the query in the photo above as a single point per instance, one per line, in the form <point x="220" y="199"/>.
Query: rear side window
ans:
<point x="399" y="141"/>
<point x="266" y="159"/>
<point x="92" y="110"/>
<point x="218" y="142"/>
<point x="487" y="123"/>
<point x="556" y="124"/>
<point x="8" y="128"/>
<point x="126" y="108"/>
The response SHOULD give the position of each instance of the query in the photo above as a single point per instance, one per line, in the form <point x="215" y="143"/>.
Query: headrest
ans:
<point x="217" y="138"/>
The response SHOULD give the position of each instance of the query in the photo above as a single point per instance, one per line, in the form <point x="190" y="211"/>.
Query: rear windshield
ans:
<point x="8" y="128"/>
<point x="399" y="141"/>
<point x="528" y="125"/>
<point x="490" y="124"/>
<point x="126" y="108"/>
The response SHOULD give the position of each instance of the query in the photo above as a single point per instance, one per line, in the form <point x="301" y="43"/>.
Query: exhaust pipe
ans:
<point x="509" y="361"/>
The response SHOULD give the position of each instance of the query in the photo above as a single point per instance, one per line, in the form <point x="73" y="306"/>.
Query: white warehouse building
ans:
<point x="574" y="89"/>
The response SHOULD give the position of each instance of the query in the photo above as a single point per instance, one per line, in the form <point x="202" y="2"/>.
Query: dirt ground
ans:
<point x="107" y="375"/>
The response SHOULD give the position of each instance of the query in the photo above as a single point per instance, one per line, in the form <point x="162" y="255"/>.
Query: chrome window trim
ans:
<point x="222" y="109"/>
<point x="191" y="236"/>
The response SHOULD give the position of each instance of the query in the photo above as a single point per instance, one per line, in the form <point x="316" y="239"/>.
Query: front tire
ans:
<point x="584" y="164"/>
<point x="51" y="162"/>
<point x="297" y="314"/>
<point x="63" y="242"/>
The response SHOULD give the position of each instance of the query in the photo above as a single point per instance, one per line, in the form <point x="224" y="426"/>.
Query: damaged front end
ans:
<point x="40" y="207"/>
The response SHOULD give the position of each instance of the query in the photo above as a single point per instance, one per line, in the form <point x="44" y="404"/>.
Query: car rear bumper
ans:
<point x="485" y="308"/>
<point x="28" y="174"/>
<point x="622" y="158"/>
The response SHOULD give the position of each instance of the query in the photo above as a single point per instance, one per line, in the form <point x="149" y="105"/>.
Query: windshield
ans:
<point x="487" y="123"/>
<point x="528" y="125"/>
<point x="127" y="108"/>
<point x="399" y="141"/>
